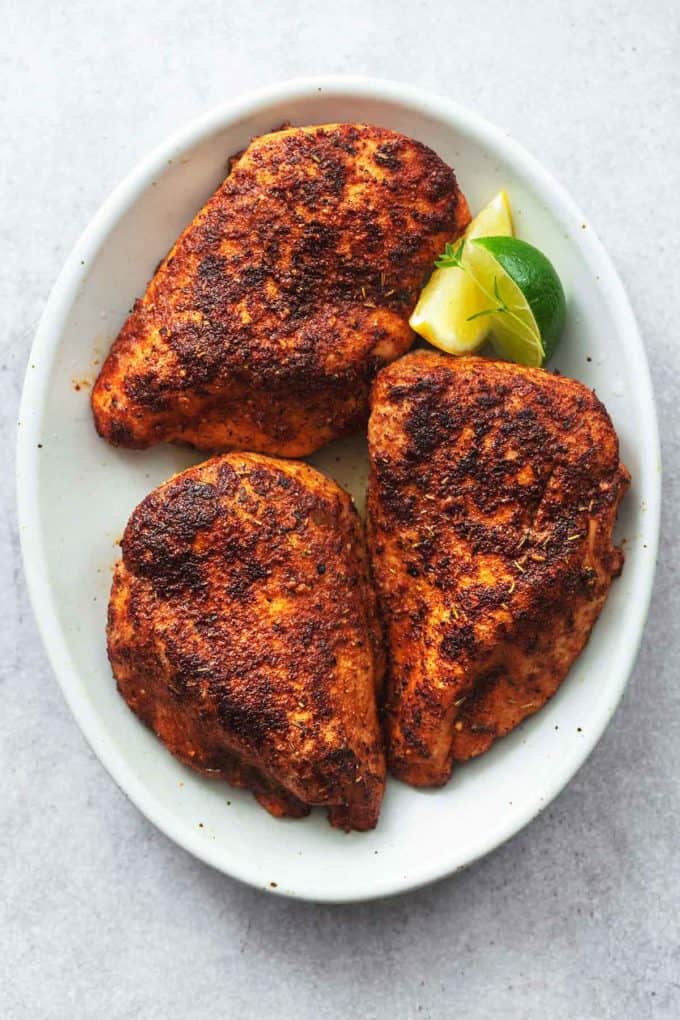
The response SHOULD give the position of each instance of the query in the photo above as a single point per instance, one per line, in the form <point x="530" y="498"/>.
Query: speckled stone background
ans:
<point x="577" y="917"/>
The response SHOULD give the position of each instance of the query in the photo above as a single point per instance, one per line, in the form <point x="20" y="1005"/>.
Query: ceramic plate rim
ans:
<point x="43" y="352"/>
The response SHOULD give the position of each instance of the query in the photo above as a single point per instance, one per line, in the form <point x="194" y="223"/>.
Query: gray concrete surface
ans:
<point x="578" y="916"/>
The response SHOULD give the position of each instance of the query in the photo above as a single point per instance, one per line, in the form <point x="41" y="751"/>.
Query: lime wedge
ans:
<point x="504" y="310"/>
<point x="443" y="313"/>
<point x="538" y="282"/>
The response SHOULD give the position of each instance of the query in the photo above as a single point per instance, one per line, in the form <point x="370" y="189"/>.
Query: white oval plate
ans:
<point x="76" y="493"/>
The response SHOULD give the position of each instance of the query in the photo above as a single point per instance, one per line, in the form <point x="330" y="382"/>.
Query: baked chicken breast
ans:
<point x="492" y="501"/>
<point x="265" y="324"/>
<point x="242" y="629"/>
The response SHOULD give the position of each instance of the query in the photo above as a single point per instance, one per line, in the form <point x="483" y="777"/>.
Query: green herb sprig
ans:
<point x="452" y="257"/>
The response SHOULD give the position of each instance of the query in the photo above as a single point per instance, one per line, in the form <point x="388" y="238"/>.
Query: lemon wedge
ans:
<point x="451" y="296"/>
